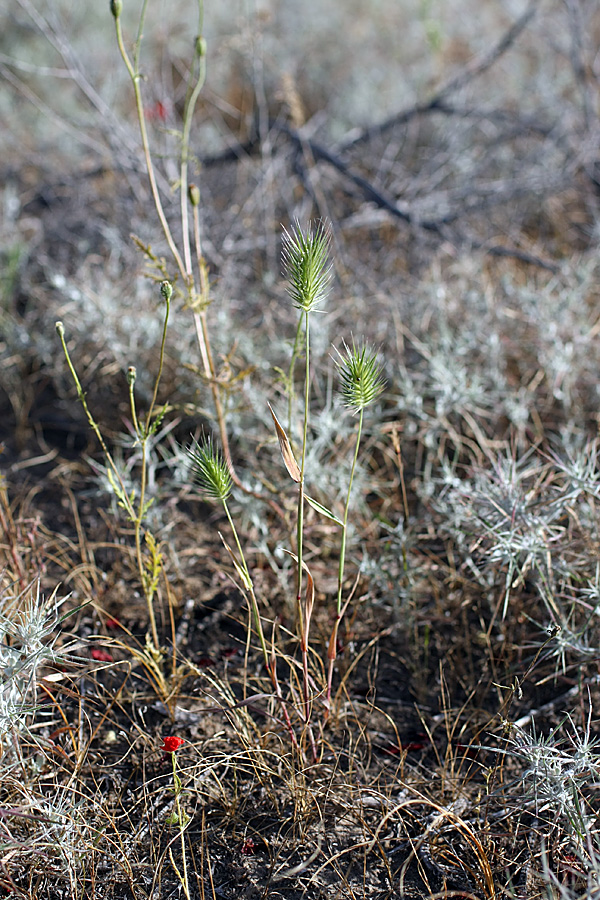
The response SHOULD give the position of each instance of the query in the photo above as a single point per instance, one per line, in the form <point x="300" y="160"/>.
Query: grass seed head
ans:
<point x="361" y="377"/>
<point x="166" y="289"/>
<point x="306" y="265"/>
<point x="210" y="469"/>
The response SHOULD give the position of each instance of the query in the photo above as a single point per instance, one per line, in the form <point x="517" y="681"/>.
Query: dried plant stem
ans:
<point x="203" y="338"/>
<point x="190" y="105"/>
<point x="144" y="434"/>
<point x="9" y="529"/>
<point x="135" y="76"/>
<point x="161" y="360"/>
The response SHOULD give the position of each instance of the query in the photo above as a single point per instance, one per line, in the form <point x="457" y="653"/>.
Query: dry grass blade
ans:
<point x="286" y="450"/>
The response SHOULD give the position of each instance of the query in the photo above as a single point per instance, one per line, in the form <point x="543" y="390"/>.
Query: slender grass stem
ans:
<point x="135" y="76"/>
<point x="346" y="511"/>
<point x="332" y="651"/>
<point x="131" y="384"/>
<point x="290" y="384"/>
<point x="166" y="291"/>
<point x="258" y="625"/>
<point x="249" y="585"/>
<point x="182" y="819"/>
<point x="185" y="148"/>
<point x="361" y="384"/>
<point x="303" y="616"/>
<point x="300" y="516"/>
<point x="137" y="47"/>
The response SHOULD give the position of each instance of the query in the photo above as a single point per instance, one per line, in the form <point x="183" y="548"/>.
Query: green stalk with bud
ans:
<point x="136" y="507"/>
<point x="214" y="477"/>
<point x="362" y="383"/>
<point x="308" y="271"/>
<point x="211" y="470"/>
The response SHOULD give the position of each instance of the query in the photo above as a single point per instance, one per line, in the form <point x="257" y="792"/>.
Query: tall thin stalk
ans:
<point x="133" y="69"/>
<point x="212" y="473"/>
<point x="307" y="267"/>
<point x="361" y="384"/>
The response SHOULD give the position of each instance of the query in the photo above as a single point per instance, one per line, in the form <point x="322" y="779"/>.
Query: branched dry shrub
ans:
<point x="29" y="625"/>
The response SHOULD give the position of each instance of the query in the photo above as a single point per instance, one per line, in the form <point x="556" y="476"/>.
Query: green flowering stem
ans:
<point x="332" y="649"/>
<point x="300" y="528"/>
<point x="290" y="378"/>
<point x="307" y="267"/>
<point x="144" y="431"/>
<point x="362" y="383"/>
<point x="212" y="472"/>
<point x="60" y="330"/>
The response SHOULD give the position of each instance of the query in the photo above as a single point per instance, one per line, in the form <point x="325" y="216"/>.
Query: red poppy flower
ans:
<point x="171" y="744"/>
<point x="101" y="655"/>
